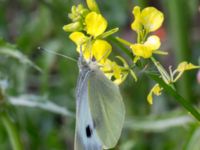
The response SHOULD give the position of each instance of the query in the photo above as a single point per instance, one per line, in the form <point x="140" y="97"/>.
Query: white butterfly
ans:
<point x="100" y="110"/>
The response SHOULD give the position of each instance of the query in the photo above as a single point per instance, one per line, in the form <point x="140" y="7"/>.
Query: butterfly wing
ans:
<point x="107" y="108"/>
<point x="85" y="134"/>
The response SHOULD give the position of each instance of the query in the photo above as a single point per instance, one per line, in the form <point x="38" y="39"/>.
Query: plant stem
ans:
<point x="125" y="50"/>
<point x="186" y="104"/>
<point x="12" y="131"/>
<point x="123" y="41"/>
<point x="162" y="71"/>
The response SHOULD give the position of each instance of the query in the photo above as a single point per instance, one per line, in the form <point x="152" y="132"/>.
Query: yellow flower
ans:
<point x="149" y="18"/>
<point x="113" y="71"/>
<point x="136" y="25"/>
<point x="92" y="5"/>
<point x="146" y="50"/>
<point x="153" y="42"/>
<point x="96" y="24"/>
<point x="152" y="18"/>
<point x="101" y="50"/>
<point x="78" y="38"/>
<point x="77" y="14"/>
<point x="141" y="50"/>
<point x="81" y="41"/>
<point x="156" y="90"/>
<point x="183" y="66"/>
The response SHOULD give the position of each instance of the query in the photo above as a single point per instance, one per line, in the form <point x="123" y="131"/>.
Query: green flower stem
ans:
<point x="162" y="71"/>
<point x="108" y="33"/>
<point x="12" y="131"/>
<point x="123" y="41"/>
<point x="186" y="104"/>
<point x="178" y="76"/>
<point x="167" y="87"/>
<point x="121" y="46"/>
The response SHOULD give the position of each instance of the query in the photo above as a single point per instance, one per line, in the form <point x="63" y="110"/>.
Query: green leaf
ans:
<point x="158" y="123"/>
<point x="16" y="54"/>
<point x="10" y="50"/>
<point x="193" y="143"/>
<point x="12" y="131"/>
<point x="133" y="75"/>
<point x="35" y="101"/>
<point x="130" y="144"/>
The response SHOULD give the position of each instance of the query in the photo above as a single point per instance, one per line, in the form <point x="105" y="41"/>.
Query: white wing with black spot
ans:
<point x="85" y="134"/>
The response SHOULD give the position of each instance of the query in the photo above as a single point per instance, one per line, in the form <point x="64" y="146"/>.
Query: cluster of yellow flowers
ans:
<point x="88" y="29"/>
<point x="146" y="21"/>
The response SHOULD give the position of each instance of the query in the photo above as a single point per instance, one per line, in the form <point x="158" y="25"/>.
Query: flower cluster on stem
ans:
<point x="89" y="31"/>
<point x="145" y="22"/>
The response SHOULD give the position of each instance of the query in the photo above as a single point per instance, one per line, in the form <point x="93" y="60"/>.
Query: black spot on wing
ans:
<point x="88" y="131"/>
<point x="113" y="78"/>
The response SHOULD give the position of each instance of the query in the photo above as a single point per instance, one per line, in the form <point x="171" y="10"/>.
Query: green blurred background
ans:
<point x="26" y="25"/>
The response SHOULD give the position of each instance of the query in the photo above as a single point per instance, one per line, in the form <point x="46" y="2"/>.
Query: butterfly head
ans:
<point x="90" y="64"/>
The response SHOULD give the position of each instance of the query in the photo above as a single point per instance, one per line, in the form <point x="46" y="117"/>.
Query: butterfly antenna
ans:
<point x="52" y="52"/>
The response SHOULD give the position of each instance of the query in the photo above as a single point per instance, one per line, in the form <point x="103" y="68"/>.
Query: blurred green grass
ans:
<point x="28" y="24"/>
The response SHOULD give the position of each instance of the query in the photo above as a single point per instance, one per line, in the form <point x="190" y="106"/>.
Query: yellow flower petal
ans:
<point x="92" y="5"/>
<point x="107" y="66"/>
<point x="96" y="24"/>
<point x="101" y="50"/>
<point x="145" y="50"/>
<point x="136" y="11"/>
<point x="85" y="50"/>
<point x="136" y="25"/>
<point x="151" y="18"/>
<point x="183" y="66"/>
<point x="116" y="71"/>
<point x="141" y="50"/>
<point x="78" y="38"/>
<point x="150" y="98"/>
<point x="156" y="90"/>
<point x="153" y="42"/>
<point x="113" y="71"/>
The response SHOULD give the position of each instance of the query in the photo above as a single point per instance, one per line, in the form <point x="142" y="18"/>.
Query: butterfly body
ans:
<point x="98" y="124"/>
